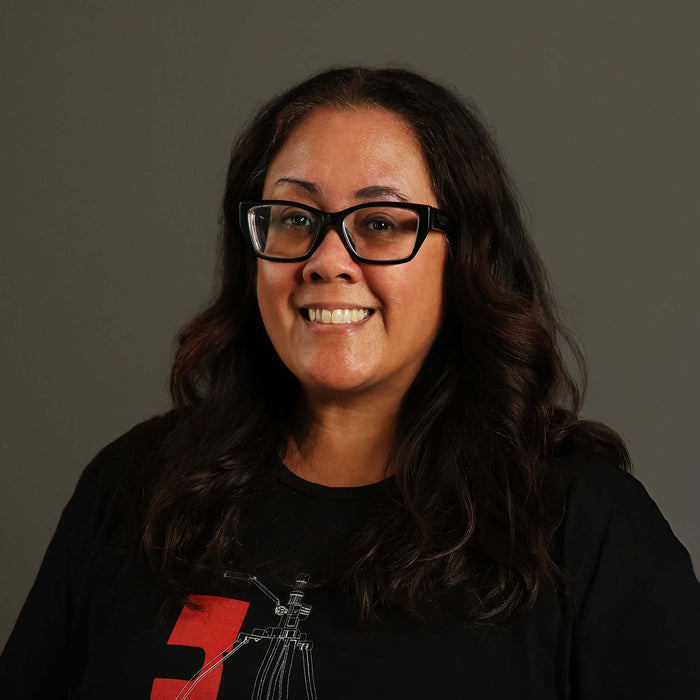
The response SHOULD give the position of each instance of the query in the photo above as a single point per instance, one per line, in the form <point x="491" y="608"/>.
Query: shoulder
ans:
<point x="613" y="538"/>
<point x="606" y="505"/>
<point x="110" y="462"/>
<point x="95" y="499"/>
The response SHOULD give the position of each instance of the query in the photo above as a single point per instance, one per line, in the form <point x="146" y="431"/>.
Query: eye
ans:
<point x="297" y="220"/>
<point x="377" y="224"/>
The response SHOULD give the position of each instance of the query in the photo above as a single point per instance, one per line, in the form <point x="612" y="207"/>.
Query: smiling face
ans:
<point x="332" y="160"/>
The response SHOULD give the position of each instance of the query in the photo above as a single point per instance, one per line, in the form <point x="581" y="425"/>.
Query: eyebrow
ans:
<point x="371" y="192"/>
<point x="379" y="191"/>
<point x="303" y="184"/>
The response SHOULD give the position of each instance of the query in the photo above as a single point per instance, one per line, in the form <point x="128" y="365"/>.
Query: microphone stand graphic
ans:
<point x="272" y="679"/>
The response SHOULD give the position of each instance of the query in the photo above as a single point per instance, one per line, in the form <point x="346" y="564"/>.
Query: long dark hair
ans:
<point x="481" y="432"/>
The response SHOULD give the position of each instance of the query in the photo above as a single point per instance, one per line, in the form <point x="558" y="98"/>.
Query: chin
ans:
<point x="347" y="386"/>
<point x="337" y="380"/>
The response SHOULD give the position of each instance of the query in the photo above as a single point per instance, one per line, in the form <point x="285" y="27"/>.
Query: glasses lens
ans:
<point x="382" y="232"/>
<point x="282" y="230"/>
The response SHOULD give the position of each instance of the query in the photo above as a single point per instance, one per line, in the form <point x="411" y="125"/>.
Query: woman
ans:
<point x="374" y="482"/>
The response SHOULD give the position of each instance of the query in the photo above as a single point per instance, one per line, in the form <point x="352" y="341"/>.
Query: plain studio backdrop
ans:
<point x="116" y="124"/>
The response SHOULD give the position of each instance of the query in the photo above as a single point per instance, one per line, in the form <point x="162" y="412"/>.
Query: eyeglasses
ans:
<point x="381" y="233"/>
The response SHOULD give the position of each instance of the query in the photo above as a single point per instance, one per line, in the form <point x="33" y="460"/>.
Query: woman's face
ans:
<point x="332" y="160"/>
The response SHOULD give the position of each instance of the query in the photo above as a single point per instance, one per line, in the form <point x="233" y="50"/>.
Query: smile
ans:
<point x="336" y="316"/>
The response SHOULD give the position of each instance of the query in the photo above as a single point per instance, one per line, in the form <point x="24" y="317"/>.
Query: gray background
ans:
<point x="115" y="126"/>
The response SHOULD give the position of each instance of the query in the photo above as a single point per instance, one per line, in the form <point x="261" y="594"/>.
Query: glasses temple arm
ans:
<point x="439" y="220"/>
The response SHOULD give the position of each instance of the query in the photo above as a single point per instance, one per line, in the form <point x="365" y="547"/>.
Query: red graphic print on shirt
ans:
<point x="212" y="628"/>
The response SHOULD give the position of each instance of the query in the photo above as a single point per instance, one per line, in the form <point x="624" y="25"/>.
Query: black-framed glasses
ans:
<point x="381" y="233"/>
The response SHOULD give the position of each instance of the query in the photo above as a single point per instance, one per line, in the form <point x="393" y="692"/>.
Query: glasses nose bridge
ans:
<point x="334" y="221"/>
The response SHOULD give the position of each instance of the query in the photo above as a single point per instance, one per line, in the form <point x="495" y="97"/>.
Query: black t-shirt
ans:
<point x="90" y="627"/>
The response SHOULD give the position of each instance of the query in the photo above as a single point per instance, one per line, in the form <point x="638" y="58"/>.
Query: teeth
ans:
<point x="338" y="315"/>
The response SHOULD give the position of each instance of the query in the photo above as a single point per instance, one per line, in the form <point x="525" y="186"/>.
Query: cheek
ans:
<point x="417" y="288"/>
<point x="413" y="306"/>
<point x="273" y="287"/>
<point x="423" y="304"/>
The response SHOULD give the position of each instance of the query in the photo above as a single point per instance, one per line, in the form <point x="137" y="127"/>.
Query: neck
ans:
<point x="341" y="443"/>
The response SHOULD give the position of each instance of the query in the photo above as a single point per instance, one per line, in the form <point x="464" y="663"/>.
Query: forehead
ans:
<point x="343" y="151"/>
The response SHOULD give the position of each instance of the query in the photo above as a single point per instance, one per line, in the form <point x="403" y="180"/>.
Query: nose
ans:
<point x="331" y="260"/>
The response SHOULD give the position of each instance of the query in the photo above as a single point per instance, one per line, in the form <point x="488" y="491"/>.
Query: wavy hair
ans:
<point x="481" y="432"/>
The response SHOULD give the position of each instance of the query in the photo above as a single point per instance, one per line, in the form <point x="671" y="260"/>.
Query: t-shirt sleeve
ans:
<point x="36" y="661"/>
<point x="636" y="611"/>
